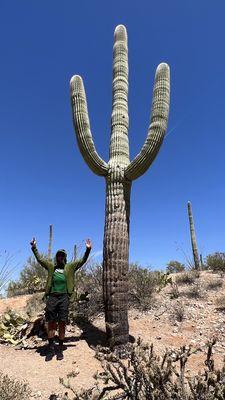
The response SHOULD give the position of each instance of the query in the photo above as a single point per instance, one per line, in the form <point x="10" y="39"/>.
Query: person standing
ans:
<point x="58" y="292"/>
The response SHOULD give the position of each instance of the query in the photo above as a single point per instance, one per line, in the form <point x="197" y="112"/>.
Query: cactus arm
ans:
<point x="82" y="127"/>
<point x="119" y="146"/>
<point x="158" y="124"/>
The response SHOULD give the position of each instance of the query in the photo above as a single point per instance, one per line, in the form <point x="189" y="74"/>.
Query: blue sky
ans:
<point x="44" y="179"/>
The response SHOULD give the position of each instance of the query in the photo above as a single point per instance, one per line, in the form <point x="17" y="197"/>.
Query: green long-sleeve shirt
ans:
<point x="69" y="270"/>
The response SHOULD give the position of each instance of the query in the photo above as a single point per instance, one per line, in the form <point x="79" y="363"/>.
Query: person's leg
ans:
<point x="51" y="331"/>
<point x="50" y="316"/>
<point x="63" y="319"/>
<point x="62" y="330"/>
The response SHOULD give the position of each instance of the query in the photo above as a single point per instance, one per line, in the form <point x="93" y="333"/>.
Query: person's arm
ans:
<point x="41" y="260"/>
<point x="78" y="263"/>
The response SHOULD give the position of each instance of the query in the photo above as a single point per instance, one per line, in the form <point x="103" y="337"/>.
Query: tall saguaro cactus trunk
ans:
<point x="193" y="237"/>
<point x="119" y="172"/>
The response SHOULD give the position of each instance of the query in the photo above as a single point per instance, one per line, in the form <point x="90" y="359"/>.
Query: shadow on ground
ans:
<point x="90" y="333"/>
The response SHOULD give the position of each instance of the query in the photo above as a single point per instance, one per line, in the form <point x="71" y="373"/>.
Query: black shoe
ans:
<point x="60" y="355"/>
<point x="50" y="353"/>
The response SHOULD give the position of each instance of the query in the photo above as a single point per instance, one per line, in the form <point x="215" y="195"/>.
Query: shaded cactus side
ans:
<point x="119" y="173"/>
<point x="193" y="237"/>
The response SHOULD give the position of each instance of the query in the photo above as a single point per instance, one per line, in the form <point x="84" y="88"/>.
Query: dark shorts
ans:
<point x="57" y="307"/>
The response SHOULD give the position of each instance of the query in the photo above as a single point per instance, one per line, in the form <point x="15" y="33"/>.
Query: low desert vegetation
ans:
<point x="216" y="262"/>
<point x="187" y="277"/>
<point x="147" y="376"/>
<point x="175" y="266"/>
<point x="215" y="284"/>
<point x="178" y="312"/>
<point x="32" y="279"/>
<point x="11" y="389"/>
<point x="195" y="291"/>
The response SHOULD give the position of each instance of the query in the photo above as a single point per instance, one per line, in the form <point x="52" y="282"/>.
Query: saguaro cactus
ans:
<point x="193" y="237"/>
<point x="119" y="173"/>
<point x="50" y="242"/>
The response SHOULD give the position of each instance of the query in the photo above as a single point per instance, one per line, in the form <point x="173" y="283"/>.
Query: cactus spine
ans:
<point x="50" y="242"/>
<point x="119" y="173"/>
<point x="193" y="237"/>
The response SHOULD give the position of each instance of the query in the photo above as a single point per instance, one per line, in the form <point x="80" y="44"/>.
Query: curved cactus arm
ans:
<point x="82" y="127"/>
<point x="158" y="124"/>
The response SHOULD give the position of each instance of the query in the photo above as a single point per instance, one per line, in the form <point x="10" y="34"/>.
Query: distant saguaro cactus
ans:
<point x="193" y="237"/>
<point x="119" y="173"/>
<point x="50" y="242"/>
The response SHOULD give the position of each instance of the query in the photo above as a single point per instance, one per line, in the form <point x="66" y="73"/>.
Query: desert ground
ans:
<point x="195" y="316"/>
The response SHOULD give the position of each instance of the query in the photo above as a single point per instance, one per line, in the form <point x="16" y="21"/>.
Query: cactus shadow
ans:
<point x="95" y="336"/>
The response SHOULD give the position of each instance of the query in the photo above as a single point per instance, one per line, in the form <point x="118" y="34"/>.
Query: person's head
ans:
<point x="61" y="257"/>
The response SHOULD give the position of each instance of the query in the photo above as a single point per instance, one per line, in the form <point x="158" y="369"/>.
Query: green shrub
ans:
<point x="142" y="285"/>
<point x="32" y="279"/>
<point x="11" y="389"/>
<point x="88" y="301"/>
<point x="174" y="267"/>
<point x="216" y="262"/>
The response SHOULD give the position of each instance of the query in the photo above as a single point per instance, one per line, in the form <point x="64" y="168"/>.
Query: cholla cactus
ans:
<point x="119" y="173"/>
<point x="193" y="237"/>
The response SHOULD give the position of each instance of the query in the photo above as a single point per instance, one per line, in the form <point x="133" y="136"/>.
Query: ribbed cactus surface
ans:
<point x="119" y="172"/>
<point x="193" y="237"/>
<point x="50" y="242"/>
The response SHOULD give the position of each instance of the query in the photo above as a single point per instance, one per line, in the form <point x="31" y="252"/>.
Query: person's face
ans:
<point x="60" y="258"/>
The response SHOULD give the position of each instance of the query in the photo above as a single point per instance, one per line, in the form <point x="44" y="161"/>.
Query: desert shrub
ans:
<point x="215" y="284"/>
<point x="147" y="376"/>
<point x="178" y="312"/>
<point x="187" y="278"/>
<point x="11" y="389"/>
<point x="194" y="291"/>
<point x="6" y="269"/>
<point x="32" y="279"/>
<point x="35" y="305"/>
<point x="216" y="262"/>
<point x="88" y="300"/>
<point x="143" y="284"/>
<point x="174" y="292"/>
<point x="220" y="302"/>
<point x="174" y="267"/>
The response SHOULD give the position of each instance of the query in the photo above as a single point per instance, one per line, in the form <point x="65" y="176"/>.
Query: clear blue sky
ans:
<point x="43" y="176"/>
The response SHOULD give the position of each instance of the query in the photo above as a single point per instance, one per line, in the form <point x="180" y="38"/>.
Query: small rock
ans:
<point x="158" y="337"/>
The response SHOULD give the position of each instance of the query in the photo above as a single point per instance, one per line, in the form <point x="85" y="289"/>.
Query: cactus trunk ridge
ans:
<point x="119" y="172"/>
<point x="193" y="237"/>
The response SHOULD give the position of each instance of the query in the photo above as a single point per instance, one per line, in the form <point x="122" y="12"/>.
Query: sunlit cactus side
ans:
<point x="119" y="172"/>
<point x="50" y="242"/>
<point x="193" y="237"/>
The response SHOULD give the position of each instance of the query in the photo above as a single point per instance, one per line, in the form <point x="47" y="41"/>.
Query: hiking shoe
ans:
<point x="50" y="353"/>
<point x="60" y="355"/>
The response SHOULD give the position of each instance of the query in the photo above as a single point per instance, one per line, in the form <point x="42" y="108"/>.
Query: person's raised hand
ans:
<point x="88" y="244"/>
<point x="33" y="242"/>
